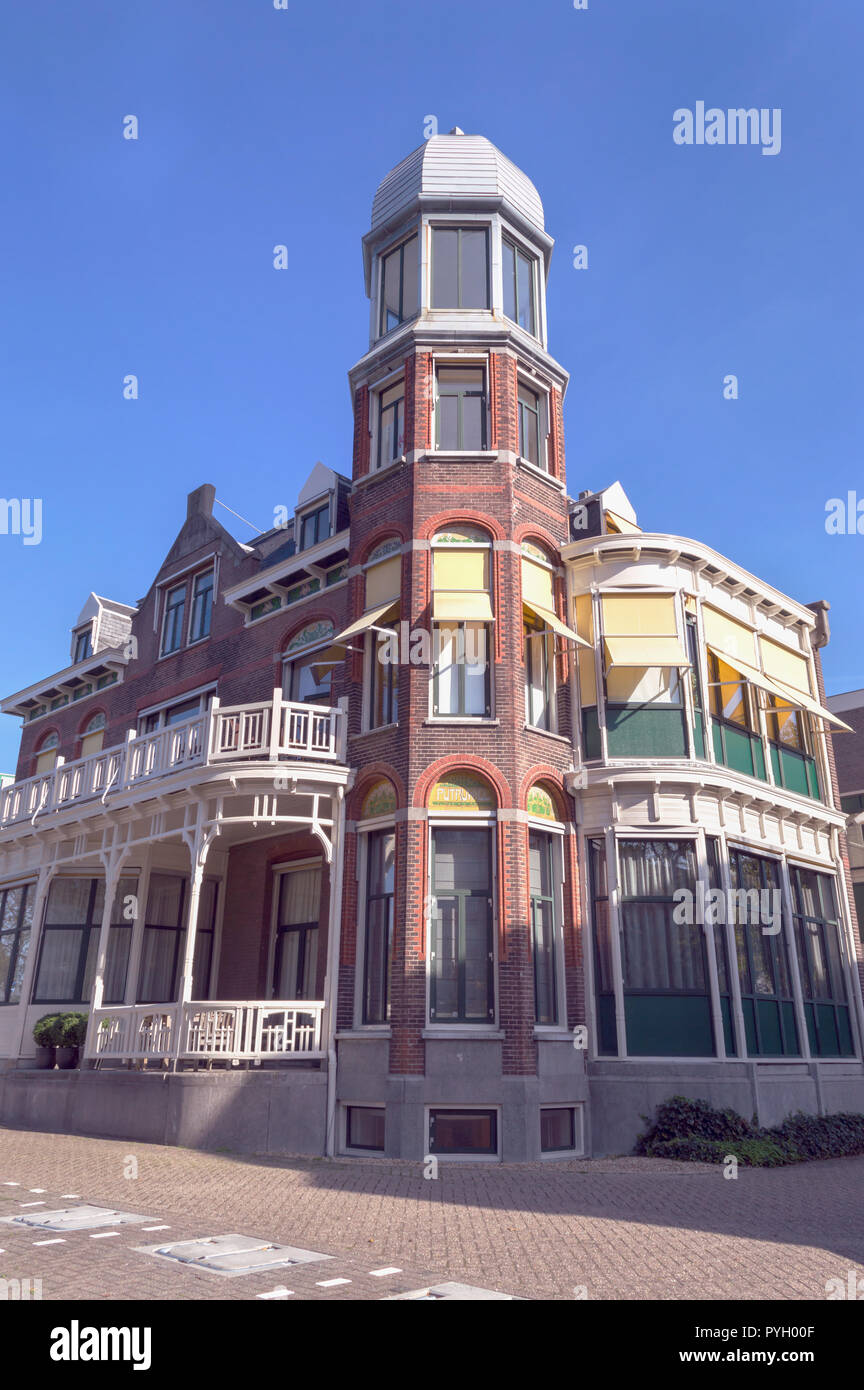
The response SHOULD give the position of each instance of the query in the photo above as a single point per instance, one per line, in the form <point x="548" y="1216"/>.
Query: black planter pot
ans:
<point x="67" y="1058"/>
<point x="44" y="1058"/>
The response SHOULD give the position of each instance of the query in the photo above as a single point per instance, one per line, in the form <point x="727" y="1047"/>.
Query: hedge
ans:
<point x="695" y="1131"/>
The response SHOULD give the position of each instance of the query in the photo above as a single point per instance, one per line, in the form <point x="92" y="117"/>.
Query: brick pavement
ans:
<point x="621" y="1228"/>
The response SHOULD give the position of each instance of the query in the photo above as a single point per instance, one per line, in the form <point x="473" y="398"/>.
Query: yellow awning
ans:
<point x="784" y="665"/>
<point x="466" y="606"/>
<point x="618" y="524"/>
<point x="645" y="651"/>
<point x="537" y="585"/>
<point x="363" y="624"/>
<point x="460" y="569"/>
<point x="789" y="698"/>
<point x="629" y="613"/>
<point x="550" y="620"/>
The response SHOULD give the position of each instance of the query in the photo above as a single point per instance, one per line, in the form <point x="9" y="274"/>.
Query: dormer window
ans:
<point x="460" y="268"/>
<point x="398" y="286"/>
<point x="315" y="526"/>
<point x="519" y="302"/>
<point x="83" y="645"/>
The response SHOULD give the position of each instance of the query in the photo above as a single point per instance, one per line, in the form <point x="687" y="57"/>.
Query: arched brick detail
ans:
<point x="530" y="531"/>
<point x="551" y="776"/>
<point x="454" y="517"/>
<point x="91" y="714"/>
<point x="391" y="531"/>
<point x="374" y="772"/>
<point x="457" y="762"/>
<point x="321" y="615"/>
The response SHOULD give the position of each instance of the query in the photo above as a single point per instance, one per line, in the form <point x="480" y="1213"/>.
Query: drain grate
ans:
<point x="83" y="1218"/>
<point x="232" y="1254"/>
<point x="450" y="1291"/>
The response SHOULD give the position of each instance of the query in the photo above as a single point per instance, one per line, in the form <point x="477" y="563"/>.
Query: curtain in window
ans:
<point x="658" y="953"/>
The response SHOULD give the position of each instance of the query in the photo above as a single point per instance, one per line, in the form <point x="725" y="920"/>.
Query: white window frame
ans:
<point x="557" y="833"/>
<point x="364" y="830"/>
<point x="482" y="821"/>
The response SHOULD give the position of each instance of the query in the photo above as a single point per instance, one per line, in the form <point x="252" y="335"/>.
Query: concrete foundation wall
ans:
<point x="622" y="1094"/>
<point x="246" y="1112"/>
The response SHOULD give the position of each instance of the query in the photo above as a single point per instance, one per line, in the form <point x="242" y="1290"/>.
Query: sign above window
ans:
<point x="462" y="792"/>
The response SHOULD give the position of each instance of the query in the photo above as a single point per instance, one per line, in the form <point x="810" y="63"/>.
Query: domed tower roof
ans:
<point x="455" y="168"/>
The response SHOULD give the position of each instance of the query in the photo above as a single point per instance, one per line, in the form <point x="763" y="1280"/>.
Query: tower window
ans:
<point x="460" y="268"/>
<point x="391" y="424"/>
<point x="519" y="302"/>
<point x="398" y="286"/>
<point x="529" y="427"/>
<point x="460" y="412"/>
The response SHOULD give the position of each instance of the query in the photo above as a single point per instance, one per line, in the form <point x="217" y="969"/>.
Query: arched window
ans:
<point x="545" y="880"/>
<point x="462" y="618"/>
<point x="91" y="740"/>
<point x="307" y="668"/>
<point x="377" y="844"/>
<point x="46" y="757"/>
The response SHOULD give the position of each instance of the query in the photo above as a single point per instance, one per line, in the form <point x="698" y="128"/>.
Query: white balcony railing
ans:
<point x="234" y="1031"/>
<point x="268" y="731"/>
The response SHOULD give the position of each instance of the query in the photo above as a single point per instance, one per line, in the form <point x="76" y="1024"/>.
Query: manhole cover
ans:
<point x="232" y="1254"/>
<point x="81" y="1218"/>
<point x="450" y="1291"/>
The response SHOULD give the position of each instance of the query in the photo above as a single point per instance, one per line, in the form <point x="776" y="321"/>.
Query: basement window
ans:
<point x="463" y="1132"/>
<point x="364" y="1127"/>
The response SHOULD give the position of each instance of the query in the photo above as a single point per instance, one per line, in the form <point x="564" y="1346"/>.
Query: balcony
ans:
<point x="265" y="732"/>
<point x="234" y="1032"/>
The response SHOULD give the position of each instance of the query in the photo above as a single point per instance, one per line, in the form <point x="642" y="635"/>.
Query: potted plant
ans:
<point x="73" y="1031"/>
<point x="46" y="1035"/>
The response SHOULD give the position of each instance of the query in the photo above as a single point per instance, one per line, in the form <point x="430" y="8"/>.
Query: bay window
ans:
<point x="643" y="660"/>
<point x="817" y="929"/>
<point x="398" y="286"/>
<point x="542" y="896"/>
<point x="391" y="424"/>
<point x="519" y="291"/>
<point x="460" y="409"/>
<point x="16" y="920"/>
<point x="530" y="434"/>
<point x="764" y="975"/>
<point x="462" y="617"/>
<point x="460" y="268"/>
<point x="70" y="941"/>
<point x="378" y="940"/>
<point x="461" y="964"/>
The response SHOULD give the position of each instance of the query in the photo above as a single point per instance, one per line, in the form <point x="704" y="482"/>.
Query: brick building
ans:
<point x="369" y="836"/>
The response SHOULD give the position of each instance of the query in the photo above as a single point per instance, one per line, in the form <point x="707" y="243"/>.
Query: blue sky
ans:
<point x="261" y="126"/>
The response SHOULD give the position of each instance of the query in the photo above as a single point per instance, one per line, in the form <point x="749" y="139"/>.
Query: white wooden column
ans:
<point x="134" y="966"/>
<point x="331" y="980"/>
<point x="113" y="862"/>
<point x="40" y="897"/>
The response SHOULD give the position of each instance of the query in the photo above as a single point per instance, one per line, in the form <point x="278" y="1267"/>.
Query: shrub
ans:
<point x="694" y="1130"/>
<point x="47" y="1030"/>
<point x="750" y="1153"/>
<point x="682" y="1118"/>
<point x="73" y="1030"/>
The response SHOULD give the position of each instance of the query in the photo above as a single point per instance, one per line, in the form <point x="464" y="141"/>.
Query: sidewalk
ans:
<point x="615" y="1228"/>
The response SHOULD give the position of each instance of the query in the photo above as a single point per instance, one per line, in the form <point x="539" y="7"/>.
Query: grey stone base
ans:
<point x="241" y="1112"/>
<point x="461" y="1073"/>
<point x="622" y="1093"/>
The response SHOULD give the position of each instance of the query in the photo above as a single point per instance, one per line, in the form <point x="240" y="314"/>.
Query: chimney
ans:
<point x="200" y="502"/>
<point x="822" y="632"/>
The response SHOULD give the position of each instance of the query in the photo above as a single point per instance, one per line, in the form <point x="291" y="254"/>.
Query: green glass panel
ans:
<point x="699" y="737"/>
<point x="770" y="1034"/>
<point x="790" y="1028"/>
<point x="668" y="1025"/>
<point x="590" y="733"/>
<point x="728" y="1033"/>
<point x="775" y="765"/>
<point x="811" y="1029"/>
<point x="646" y="733"/>
<point x="757" y="750"/>
<point x="748" y="1008"/>
<point x="826" y="1031"/>
<point x="844" y="1030"/>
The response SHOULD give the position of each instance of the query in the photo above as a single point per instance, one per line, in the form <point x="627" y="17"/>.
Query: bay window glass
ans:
<point x="764" y="975"/>
<point x="161" y="959"/>
<point x="518" y="271"/>
<point x="378" y="947"/>
<point x="461" y="669"/>
<point x="16" y="920"/>
<point x="541" y="889"/>
<point x="308" y="679"/>
<point x="398" y="286"/>
<point x="665" y="973"/>
<point x="820" y="961"/>
<point x="460" y="409"/>
<point x="461" y="967"/>
<point x="384" y="684"/>
<point x="391" y="424"/>
<point x="460" y="268"/>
